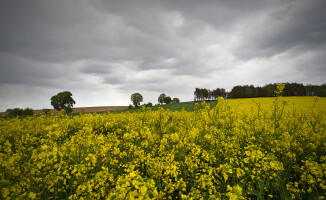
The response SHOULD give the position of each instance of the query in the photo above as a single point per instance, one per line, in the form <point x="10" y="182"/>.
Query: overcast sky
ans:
<point x="102" y="51"/>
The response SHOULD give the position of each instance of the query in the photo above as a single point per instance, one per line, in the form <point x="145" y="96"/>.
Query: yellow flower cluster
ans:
<point x="274" y="152"/>
<point x="279" y="89"/>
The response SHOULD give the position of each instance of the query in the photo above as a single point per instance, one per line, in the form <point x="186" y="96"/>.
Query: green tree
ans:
<point x="205" y="93"/>
<point x="167" y="100"/>
<point x="161" y="98"/>
<point x="222" y="92"/>
<point x="175" y="100"/>
<point x="197" y="94"/>
<point x="136" y="98"/>
<point x="46" y="111"/>
<point x="63" y="100"/>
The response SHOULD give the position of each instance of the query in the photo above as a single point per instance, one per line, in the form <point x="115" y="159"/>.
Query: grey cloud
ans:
<point x="222" y="15"/>
<point x="22" y="71"/>
<point x="294" y="24"/>
<point x="44" y="30"/>
<point x="217" y="13"/>
<point x="97" y="69"/>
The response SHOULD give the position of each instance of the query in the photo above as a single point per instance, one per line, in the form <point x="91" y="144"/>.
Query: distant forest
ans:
<point x="250" y="91"/>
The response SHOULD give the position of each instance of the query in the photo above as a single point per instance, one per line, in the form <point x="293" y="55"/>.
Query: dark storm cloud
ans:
<point x="93" y="46"/>
<point x="22" y="71"/>
<point x="44" y="30"/>
<point x="217" y="13"/>
<point x="264" y="28"/>
<point x="292" y="24"/>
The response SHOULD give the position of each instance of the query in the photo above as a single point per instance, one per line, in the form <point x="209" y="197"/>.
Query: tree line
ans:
<point x="203" y="94"/>
<point x="250" y="91"/>
<point x="291" y="89"/>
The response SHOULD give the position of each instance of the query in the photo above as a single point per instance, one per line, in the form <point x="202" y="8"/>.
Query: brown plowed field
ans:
<point x="83" y="109"/>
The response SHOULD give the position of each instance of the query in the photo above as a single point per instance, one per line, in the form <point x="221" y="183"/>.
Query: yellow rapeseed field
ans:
<point x="240" y="149"/>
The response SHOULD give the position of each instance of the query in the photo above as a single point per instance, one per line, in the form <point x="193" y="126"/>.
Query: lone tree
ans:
<point x="136" y="98"/>
<point x="63" y="100"/>
<point x="161" y="98"/>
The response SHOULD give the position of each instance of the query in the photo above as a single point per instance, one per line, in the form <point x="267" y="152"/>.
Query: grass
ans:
<point x="189" y="106"/>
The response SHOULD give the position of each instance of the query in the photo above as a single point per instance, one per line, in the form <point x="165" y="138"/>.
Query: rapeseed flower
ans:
<point x="223" y="152"/>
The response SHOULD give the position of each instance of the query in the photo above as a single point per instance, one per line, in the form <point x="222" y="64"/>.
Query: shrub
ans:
<point x="19" y="111"/>
<point x="46" y="111"/>
<point x="149" y="104"/>
<point x="28" y="111"/>
<point x="15" y="111"/>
